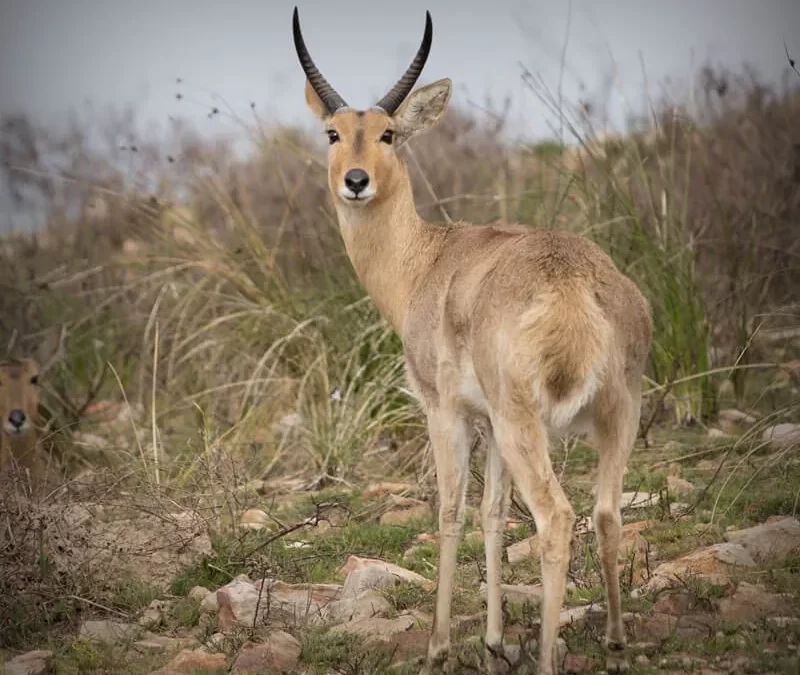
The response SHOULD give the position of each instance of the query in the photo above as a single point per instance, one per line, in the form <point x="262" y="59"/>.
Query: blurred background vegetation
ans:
<point x="210" y="295"/>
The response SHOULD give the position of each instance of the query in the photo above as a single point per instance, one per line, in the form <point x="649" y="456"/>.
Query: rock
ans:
<point x="298" y="602"/>
<point x="402" y="516"/>
<point x="110" y="541"/>
<point x="770" y="542"/>
<point x="198" y="594"/>
<point x="522" y="550"/>
<point x="153" y="616"/>
<point x="38" y="662"/>
<point x="107" y="631"/>
<point x="158" y="644"/>
<point x="782" y="435"/>
<point x="237" y="605"/>
<point x="353" y="608"/>
<point x="661" y="626"/>
<point x="679" y="486"/>
<point x="641" y="660"/>
<point x="578" y="663"/>
<point x="752" y="603"/>
<point x="573" y="615"/>
<point x="715" y="564"/>
<point x="716" y="433"/>
<point x="193" y="662"/>
<point x="365" y="573"/>
<point x="387" y="488"/>
<point x="253" y="519"/>
<point x="209" y="604"/>
<point x="519" y="593"/>
<point x="731" y="419"/>
<point x="240" y="599"/>
<point x="638" y="500"/>
<point x="280" y="652"/>
<point x="377" y="627"/>
<point x="633" y="551"/>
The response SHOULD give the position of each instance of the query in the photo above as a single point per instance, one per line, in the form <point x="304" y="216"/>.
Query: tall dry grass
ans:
<point x="217" y="291"/>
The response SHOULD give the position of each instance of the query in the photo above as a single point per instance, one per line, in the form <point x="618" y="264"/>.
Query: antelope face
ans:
<point x="19" y="396"/>
<point x="363" y="164"/>
<point x="361" y="158"/>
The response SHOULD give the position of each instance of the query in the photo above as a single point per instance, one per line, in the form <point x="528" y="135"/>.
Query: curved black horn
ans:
<point x="391" y="102"/>
<point x="325" y="91"/>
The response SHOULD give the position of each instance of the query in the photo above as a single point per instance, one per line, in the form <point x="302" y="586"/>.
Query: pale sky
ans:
<point x="55" y="55"/>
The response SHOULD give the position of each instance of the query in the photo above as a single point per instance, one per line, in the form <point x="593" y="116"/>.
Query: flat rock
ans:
<point x="753" y="603"/>
<point x="715" y="564"/>
<point x="769" y="542"/>
<point x="280" y="652"/>
<point x="107" y="631"/>
<point x="377" y="627"/>
<point x="354" y="608"/>
<point x="37" y="662"/>
<point x="240" y="600"/>
<point x="366" y="573"/>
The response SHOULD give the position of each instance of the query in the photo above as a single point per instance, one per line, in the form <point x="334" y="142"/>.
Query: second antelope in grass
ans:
<point x="526" y="333"/>
<point x="19" y="406"/>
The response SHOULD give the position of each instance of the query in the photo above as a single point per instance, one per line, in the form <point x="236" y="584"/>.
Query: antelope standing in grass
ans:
<point x="19" y="405"/>
<point x="526" y="333"/>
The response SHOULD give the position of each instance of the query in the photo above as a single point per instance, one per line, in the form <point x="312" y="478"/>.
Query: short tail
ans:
<point x="570" y="341"/>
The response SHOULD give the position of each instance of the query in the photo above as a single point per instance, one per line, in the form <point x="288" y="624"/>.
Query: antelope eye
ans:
<point x="388" y="136"/>
<point x="35" y="379"/>
<point x="333" y="136"/>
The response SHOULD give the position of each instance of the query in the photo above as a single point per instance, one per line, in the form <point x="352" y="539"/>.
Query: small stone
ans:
<point x="37" y="662"/>
<point x="679" y="486"/>
<point x="153" y="615"/>
<point x="198" y="594"/>
<point x="254" y="519"/>
<point x="209" y="604"/>
<point x="641" y="660"/>
<point x="522" y="550"/>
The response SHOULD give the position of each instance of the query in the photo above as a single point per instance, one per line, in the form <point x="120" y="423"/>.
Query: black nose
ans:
<point x="356" y="180"/>
<point x="17" y="418"/>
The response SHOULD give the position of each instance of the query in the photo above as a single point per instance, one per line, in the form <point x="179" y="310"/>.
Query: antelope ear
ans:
<point x="315" y="104"/>
<point x="423" y="108"/>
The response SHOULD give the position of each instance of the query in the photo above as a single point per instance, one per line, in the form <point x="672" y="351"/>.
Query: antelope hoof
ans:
<point x="616" y="661"/>
<point x="497" y="663"/>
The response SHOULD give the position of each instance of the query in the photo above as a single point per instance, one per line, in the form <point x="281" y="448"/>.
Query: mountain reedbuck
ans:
<point x="526" y="334"/>
<point x="19" y="404"/>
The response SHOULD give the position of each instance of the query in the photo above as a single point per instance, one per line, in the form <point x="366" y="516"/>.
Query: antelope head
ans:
<point x="19" y="397"/>
<point x="363" y="165"/>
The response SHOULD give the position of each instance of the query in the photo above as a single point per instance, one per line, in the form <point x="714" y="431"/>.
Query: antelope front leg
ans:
<point x="451" y="438"/>
<point x="496" y="497"/>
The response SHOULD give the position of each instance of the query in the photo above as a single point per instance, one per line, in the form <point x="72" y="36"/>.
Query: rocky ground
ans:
<point x="342" y="580"/>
